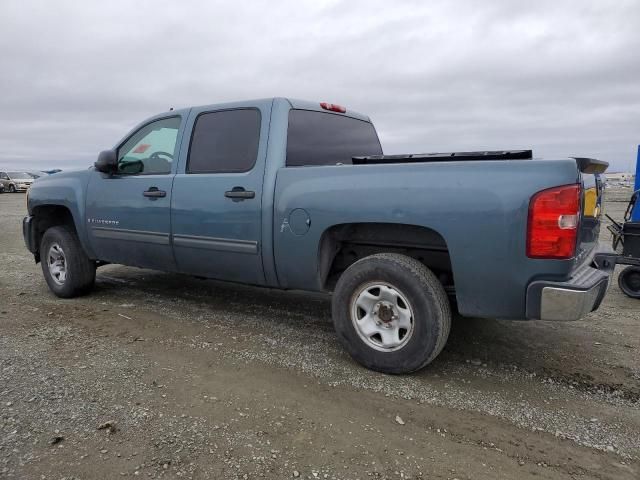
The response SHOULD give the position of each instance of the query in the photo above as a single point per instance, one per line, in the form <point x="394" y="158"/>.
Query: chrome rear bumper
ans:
<point x="574" y="298"/>
<point x="565" y="304"/>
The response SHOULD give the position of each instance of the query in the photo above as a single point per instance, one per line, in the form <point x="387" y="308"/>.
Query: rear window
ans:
<point x="317" y="138"/>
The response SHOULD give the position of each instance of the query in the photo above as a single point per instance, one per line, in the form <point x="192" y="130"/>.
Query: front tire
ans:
<point x="629" y="281"/>
<point x="66" y="268"/>
<point x="391" y="313"/>
<point x="12" y="189"/>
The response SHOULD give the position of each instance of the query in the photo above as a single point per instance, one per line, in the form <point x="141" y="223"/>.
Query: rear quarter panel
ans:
<point x="479" y="208"/>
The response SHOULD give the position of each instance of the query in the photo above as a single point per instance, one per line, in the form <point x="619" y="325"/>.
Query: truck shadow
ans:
<point x="562" y="352"/>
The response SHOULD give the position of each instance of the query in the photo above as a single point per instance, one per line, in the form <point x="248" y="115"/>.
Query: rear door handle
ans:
<point x="239" y="193"/>
<point x="153" y="192"/>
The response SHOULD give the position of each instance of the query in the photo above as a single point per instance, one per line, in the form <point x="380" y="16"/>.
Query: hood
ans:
<point x="62" y="177"/>
<point x="63" y="188"/>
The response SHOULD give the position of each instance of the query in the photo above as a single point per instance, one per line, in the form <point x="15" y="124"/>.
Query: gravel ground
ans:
<point x="165" y="376"/>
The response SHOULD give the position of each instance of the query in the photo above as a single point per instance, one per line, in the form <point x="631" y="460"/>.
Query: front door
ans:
<point x="128" y="213"/>
<point x="217" y="195"/>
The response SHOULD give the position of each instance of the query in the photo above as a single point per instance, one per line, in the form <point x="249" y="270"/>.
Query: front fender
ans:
<point x="68" y="190"/>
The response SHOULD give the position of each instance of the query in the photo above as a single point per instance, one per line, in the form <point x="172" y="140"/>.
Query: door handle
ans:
<point x="153" y="192"/>
<point x="238" y="194"/>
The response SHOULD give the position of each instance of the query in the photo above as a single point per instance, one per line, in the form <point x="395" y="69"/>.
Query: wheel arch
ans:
<point x="47" y="216"/>
<point x="343" y="244"/>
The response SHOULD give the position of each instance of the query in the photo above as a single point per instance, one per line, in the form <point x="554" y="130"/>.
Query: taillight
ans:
<point x="332" y="107"/>
<point x="554" y="215"/>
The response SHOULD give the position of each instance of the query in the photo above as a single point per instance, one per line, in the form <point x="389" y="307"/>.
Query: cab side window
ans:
<point x="225" y="142"/>
<point x="151" y="150"/>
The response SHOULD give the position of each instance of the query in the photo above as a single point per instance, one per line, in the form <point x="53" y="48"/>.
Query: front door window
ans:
<point x="151" y="150"/>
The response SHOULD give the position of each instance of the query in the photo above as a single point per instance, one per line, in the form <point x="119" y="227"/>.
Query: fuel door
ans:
<point x="299" y="221"/>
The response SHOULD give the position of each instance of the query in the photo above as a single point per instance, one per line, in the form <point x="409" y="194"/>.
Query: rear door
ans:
<point x="128" y="212"/>
<point x="216" y="207"/>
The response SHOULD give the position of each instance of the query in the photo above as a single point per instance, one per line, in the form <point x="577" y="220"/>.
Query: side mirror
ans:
<point x="107" y="161"/>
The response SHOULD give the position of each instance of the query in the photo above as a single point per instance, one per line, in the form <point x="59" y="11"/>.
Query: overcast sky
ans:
<point x="561" y="77"/>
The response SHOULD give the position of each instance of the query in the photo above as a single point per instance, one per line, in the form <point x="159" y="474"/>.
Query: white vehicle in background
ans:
<point x="16" y="181"/>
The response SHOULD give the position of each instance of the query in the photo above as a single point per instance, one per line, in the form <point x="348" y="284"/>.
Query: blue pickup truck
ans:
<point x="292" y="194"/>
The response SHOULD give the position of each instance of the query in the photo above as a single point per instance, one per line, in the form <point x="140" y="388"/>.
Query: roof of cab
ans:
<point x="295" y="103"/>
<point x="307" y="105"/>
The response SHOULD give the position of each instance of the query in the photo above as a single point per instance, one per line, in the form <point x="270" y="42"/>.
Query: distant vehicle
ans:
<point x="291" y="194"/>
<point x="16" y="181"/>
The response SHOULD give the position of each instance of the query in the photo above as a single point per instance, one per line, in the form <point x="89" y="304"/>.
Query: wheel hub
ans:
<point x="57" y="263"/>
<point x="385" y="312"/>
<point x="382" y="316"/>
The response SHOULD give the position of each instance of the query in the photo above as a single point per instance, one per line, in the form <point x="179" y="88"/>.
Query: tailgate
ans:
<point x="592" y="190"/>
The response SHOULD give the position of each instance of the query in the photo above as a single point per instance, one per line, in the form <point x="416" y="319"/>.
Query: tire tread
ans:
<point x="429" y="284"/>
<point x="623" y="281"/>
<point x="82" y="269"/>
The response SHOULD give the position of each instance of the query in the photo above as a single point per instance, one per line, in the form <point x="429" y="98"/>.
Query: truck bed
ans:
<point x="480" y="209"/>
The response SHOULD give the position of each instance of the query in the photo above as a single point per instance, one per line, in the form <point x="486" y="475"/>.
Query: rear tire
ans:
<point x="66" y="268"/>
<point x="391" y="313"/>
<point x="629" y="281"/>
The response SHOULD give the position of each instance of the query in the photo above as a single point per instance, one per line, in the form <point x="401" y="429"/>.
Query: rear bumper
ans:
<point x="575" y="297"/>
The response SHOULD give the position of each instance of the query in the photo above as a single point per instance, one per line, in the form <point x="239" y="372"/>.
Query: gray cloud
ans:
<point x="562" y="78"/>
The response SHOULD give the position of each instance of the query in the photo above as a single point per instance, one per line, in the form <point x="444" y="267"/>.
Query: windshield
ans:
<point x="19" y="175"/>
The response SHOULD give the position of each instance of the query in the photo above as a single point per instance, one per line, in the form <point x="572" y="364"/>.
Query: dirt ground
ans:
<point x="198" y="379"/>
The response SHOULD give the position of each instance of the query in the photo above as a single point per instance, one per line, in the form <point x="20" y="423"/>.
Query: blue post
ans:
<point x="635" y="215"/>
